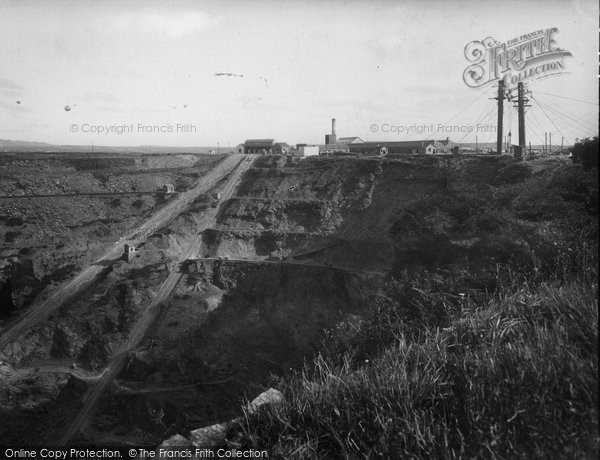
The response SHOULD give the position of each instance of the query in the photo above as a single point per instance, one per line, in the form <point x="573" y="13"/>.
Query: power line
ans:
<point x="570" y="121"/>
<point x="467" y="106"/>
<point x="569" y="98"/>
<point x="482" y="117"/>
<point x="538" y="125"/>
<point x="560" y="108"/>
<point x="553" y="124"/>
<point x="485" y="114"/>
<point x="488" y="119"/>
<point x="562" y="114"/>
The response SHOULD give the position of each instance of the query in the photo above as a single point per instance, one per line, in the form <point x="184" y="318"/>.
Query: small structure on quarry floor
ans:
<point x="190" y="266"/>
<point x="169" y="188"/>
<point x="215" y="198"/>
<point x="128" y="252"/>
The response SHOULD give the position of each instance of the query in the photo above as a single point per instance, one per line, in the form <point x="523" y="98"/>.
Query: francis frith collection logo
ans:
<point x="527" y="57"/>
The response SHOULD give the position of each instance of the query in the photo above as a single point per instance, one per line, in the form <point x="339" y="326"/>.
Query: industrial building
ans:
<point x="422" y="147"/>
<point x="444" y="146"/>
<point x="281" y="148"/>
<point x="334" y="145"/>
<point x="350" y="140"/>
<point x="306" y="150"/>
<point x="258" y="146"/>
<point x="264" y="146"/>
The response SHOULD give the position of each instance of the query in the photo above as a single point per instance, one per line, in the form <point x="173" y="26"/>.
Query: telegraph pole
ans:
<point x="521" y="109"/>
<point x="500" y="99"/>
<point x="550" y="141"/>
<point x="521" y="104"/>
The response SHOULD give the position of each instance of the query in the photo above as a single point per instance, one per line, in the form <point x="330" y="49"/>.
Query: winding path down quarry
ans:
<point x="152" y="312"/>
<point x="70" y="288"/>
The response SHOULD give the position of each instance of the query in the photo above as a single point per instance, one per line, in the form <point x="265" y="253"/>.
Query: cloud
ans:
<point x="5" y="83"/>
<point x="9" y="88"/>
<point x="14" y="108"/>
<point x="100" y="96"/>
<point x="168" y="25"/>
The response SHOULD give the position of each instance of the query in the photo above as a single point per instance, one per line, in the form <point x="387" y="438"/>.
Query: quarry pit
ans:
<point x="218" y="299"/>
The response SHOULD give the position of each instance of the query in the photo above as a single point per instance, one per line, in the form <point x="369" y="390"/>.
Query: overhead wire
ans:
<point x="565" y="97"/>
<point x="571" y="120"/>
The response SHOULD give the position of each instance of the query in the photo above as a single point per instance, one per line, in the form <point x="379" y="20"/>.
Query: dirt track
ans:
<point x="152" y="312"/>
<point x="70" y="288"/>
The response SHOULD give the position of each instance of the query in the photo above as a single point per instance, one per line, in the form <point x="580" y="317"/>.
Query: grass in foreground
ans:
<point x="515" y="378"/>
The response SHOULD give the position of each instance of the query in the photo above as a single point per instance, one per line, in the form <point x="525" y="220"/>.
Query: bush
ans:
<point x="585" y="153"/>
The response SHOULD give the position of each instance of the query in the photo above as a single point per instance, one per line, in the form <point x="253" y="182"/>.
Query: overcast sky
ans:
<point x="293" y="65"/>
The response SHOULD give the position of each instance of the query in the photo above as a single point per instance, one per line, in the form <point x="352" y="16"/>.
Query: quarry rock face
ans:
<point x="300" y="247"/>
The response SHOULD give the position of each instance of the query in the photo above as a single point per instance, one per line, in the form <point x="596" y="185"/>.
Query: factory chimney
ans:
<point x="331" y="138"/>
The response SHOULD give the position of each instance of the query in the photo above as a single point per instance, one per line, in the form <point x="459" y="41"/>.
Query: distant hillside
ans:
<point x="7" y="145"/>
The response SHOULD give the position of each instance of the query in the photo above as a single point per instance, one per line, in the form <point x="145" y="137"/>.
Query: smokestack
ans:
<point x="333" y="126"/>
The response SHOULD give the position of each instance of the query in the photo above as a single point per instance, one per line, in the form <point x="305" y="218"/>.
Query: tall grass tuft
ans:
<point x="514" y="378"/>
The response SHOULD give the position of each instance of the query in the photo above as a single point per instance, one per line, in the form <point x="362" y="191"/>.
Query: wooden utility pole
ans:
<point x="500" y="99"/>
<point x="550" y="141"/>
<point x="521" y="110"/>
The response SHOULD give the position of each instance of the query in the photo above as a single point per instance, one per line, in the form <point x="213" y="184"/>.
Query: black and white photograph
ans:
<point x="338" y="229"/>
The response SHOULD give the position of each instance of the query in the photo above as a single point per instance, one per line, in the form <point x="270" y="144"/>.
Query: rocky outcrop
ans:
<point x="216" y="435"/>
